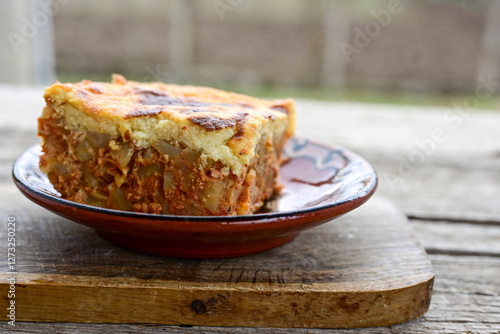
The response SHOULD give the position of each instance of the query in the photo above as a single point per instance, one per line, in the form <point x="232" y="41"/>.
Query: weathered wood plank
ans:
<point x="443" y="189"/>
<point x="14" y="142"/>
<point x="393" y="130"/>
<point x="466" y="298"/>
<point x="21" y="107"/>
<point x="414" y="327"/>
<point x="467" y="290"/>
<point x="418" y="171"/>
<point x="458" y="238"/>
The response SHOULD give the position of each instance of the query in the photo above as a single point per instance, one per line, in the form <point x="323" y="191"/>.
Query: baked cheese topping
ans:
<point x="223" y="126"/>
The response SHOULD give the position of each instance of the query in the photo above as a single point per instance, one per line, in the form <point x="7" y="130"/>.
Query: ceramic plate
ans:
<point x="320" y="181"/>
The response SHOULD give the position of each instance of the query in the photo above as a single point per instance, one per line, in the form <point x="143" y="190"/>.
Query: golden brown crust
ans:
<point x="129" y="99"/>
<point x="224" y="126"/>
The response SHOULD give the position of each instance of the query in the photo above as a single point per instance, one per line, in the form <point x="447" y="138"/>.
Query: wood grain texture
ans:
<point x="415" y="327"/>
<point x="465" y="300"/>
<point x="464" y="189"/>
<point x="458" y="238"/>
<point x="457" y="178"/>
<point x="364" y="269"/>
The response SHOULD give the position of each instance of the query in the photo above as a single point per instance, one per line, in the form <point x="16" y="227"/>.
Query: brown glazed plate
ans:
<point x="321" y="182"/>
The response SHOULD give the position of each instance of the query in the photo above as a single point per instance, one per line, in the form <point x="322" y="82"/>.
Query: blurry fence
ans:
<point x="404" y="45"/>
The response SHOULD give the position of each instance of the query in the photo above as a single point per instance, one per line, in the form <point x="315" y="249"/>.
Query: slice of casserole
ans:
<point x="158" y="148"/>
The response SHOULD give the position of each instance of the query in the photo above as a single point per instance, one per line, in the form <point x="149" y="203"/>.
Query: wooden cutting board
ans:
<point x="364" y="269"/>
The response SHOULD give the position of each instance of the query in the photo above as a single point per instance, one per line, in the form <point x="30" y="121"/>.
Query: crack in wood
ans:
<point x="456" y="252"/>
<point x="454" y="220"/>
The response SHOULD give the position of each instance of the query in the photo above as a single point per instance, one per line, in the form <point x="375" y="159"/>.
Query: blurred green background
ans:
<point x="428" y="52"/>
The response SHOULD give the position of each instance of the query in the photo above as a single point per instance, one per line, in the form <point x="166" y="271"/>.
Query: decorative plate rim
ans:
<point x="27" y="187"/>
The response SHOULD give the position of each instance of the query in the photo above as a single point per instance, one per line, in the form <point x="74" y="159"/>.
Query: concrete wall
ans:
<point x="423" y="45"/>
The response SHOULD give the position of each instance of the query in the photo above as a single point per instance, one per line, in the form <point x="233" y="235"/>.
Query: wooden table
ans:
<point x="440" y="166"/>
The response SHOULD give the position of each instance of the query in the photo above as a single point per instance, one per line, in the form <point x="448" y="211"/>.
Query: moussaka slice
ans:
<point x="158" y="148"/>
